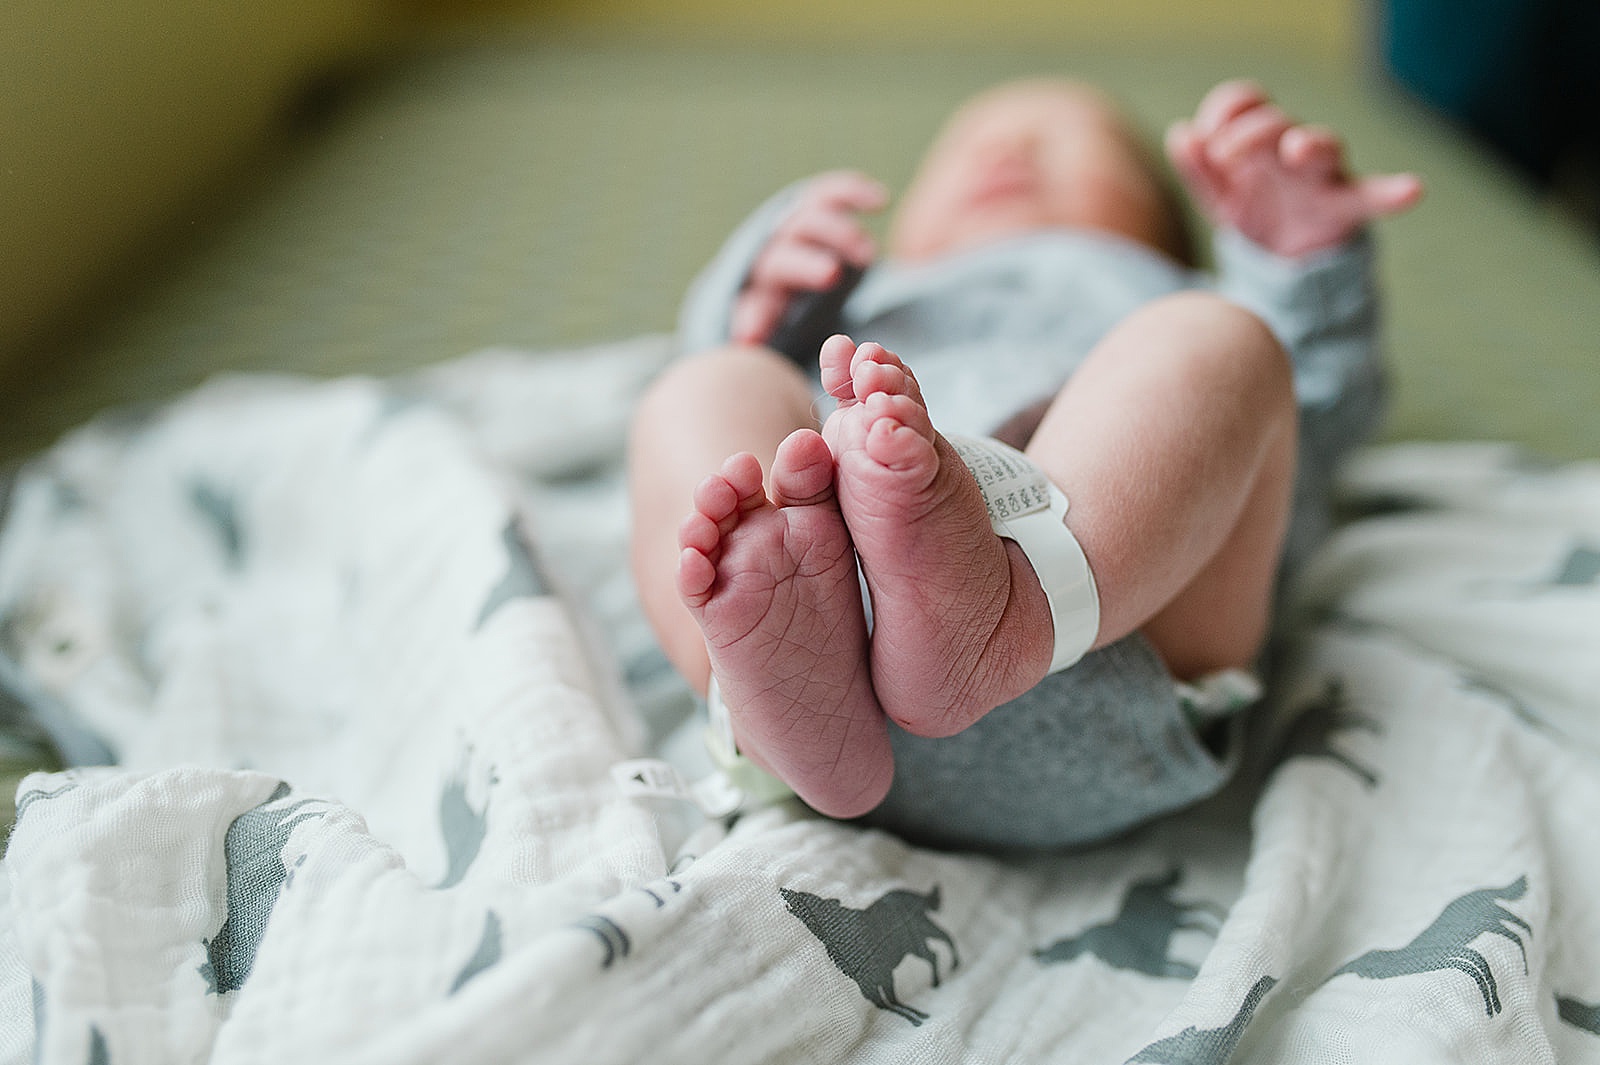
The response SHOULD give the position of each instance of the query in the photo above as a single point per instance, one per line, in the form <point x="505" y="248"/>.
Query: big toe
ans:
<point x="802" y="470"/>
<point x="833" y="363"/>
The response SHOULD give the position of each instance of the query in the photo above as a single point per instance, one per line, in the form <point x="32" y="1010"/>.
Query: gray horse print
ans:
<point x="1579" y="1014"/>
<point x="867" y="945"/>
<point x="1324" y="718"/>
<point x="1207" y="1046"/>
<point x="221" y="511"/>
<point x="462" y="826"/>
<point x="524" y="577"/>
<point x="613" y="937"/>
<point x="1580" y="569"/>
<point x="485" y="955"/>
<point x="1139" y="937"/>
<point x="1446" y="944"/>
<point x="28" y="798"/>
<point x="253" y="848"/>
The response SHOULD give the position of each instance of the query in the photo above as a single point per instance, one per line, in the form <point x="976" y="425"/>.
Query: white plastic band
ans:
<point x="757" y="786"/>
<point x="1024" y="506"/>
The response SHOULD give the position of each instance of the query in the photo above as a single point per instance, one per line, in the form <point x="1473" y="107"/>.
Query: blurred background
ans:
<point x="194" y="186"/>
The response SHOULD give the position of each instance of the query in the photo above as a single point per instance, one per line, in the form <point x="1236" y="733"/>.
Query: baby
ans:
<point x="994" y="687"/>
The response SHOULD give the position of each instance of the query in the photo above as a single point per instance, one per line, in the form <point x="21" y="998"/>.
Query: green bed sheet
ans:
<point x="549" y="194"/>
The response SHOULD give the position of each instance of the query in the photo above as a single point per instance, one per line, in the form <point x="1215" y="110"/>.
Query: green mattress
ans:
<point x="549" y="194"/>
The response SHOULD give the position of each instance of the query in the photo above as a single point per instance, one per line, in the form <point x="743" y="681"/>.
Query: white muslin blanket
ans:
<point x="357" y="651"/>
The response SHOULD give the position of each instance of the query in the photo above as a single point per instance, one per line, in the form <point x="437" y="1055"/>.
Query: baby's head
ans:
<point x="1034" y="154"/>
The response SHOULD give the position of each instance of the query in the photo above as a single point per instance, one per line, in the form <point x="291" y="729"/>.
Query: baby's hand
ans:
<point x="807" y="251"/>
<point x="1280" y="184"/>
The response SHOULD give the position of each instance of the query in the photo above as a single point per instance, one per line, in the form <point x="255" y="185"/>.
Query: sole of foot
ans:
<point x="773" y="585"/>
<point x="960" y="622"/>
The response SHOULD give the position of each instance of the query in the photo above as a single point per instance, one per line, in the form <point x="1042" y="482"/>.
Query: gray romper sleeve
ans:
<point x="1324" y="309"/>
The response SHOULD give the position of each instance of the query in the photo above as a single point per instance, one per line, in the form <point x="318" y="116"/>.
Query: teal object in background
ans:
<point x="1523" y="75"/>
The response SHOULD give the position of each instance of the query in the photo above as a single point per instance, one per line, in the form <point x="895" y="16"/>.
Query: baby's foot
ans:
<point x="960" y="624"/>
<point x="773" y="586"/>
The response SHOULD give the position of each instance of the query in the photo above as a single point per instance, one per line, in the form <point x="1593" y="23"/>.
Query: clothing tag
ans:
<point x="1011" y="484"/>
<point x="715" y="796"/>
<point x="650" y="778"/>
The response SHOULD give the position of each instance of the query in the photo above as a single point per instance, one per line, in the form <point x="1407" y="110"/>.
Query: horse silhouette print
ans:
<point x="462" y="826"/>
<point x="1207" y="1046"/>
<point x="524" y="577"/>
<point x="868" y="944"/>
<point x="1579" y="1014"/>
<point x="1139" y="936"/>
<point x="253" y="847"/>
<point x="1321" y="721"/>
<point x="1446" y="944"/>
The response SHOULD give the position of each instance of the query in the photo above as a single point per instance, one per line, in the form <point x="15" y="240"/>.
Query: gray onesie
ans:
<point x="1106" y="744"/>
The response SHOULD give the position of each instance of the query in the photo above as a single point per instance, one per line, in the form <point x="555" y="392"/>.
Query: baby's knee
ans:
<point x="1220" y="316"/>
<point x="699" y="374"/>
<point x="1224" y="338"/>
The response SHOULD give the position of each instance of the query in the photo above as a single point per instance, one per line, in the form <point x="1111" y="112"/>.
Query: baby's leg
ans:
<point x="702" y="409"/>
<point x="758" y="583"/>
<point x="1175" y="445"/>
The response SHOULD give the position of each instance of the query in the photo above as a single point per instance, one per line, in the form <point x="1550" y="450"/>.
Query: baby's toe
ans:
<point x="696" y="575"/>
<point x="900" y="436"/>
<point x="898" y="447"/>
<point x="723" y="495"/>
<point x="904" y="409"/>
<point x="743" y="473"/>
<point x="699" y="532"/>
<point x="883" y="372"/>
<point x="802" y="471"/>
<point x="834" y="363"/>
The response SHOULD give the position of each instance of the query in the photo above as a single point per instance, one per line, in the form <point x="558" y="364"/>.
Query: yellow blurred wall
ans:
<point x="114" y="112"/>
<point x="1326" y="28"/>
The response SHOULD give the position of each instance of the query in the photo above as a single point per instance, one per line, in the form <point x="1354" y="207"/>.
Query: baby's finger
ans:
<point x="790" y="265"/>
<point x="1386" y="194"/>
<point x="1227" y="102"/>
<point x="832" y="231"/>
<point x="1187" y="151"/>
<point x="756" y="315"/>
<point x="1257" y="130"/>
<point x="1312" y="150"/>
<point x="1184" y="147"/>
<point x="847" y="190"/>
